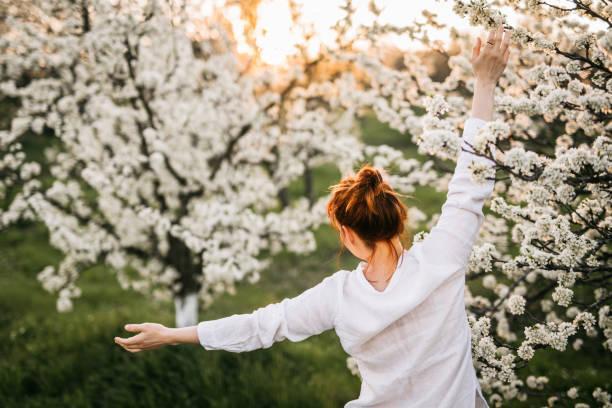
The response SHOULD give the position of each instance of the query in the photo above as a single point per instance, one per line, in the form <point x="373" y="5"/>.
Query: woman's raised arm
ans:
<point x="452" y="238"/>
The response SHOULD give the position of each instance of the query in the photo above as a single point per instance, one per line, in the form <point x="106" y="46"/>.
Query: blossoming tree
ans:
<point x="174" y="159"/>
<point x="544" y="263"/>
<point x="541" y="274"/>
<point x="175" y="156"/>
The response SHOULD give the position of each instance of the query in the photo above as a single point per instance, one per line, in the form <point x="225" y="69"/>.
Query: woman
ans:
<point x="401" y="314"/>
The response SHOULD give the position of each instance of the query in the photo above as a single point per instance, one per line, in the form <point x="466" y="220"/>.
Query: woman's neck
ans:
<point x="384" y="262"/>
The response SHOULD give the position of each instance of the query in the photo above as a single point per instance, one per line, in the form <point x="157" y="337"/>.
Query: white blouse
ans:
<point x="411" y="341"/>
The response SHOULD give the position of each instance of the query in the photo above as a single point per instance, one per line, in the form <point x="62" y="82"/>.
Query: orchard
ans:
<point x="181" y="142"/>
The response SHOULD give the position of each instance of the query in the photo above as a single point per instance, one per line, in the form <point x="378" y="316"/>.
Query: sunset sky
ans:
<point x="276" y="37"/>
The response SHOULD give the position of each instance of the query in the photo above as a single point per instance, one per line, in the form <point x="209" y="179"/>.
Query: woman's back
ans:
<point x="408" y="356"/>
<point x="411" y="340"/>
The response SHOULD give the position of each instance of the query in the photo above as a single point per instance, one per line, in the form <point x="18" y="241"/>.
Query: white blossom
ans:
<point x="516" y="304"/>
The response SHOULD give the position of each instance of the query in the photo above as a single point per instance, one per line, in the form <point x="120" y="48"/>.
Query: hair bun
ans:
<point x="366" y="203"/>
<point x="370" y="177"/>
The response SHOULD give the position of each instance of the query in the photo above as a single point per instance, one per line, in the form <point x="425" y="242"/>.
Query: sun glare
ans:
<point x="277" y="38"/>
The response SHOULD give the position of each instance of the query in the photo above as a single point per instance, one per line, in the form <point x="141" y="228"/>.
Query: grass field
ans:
<point x="69" y="360"/>
<point x="52" y="359"/>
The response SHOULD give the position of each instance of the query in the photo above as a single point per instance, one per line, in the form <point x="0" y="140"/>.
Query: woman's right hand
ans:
<point x="489" y="59"/>
<point x="153" y="335"/>
<point x="150" y="336"/>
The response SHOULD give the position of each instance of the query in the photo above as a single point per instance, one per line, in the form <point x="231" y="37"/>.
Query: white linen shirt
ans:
<point x="411" y="341"/>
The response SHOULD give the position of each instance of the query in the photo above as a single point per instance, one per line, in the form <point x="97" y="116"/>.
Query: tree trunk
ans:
<point x="309" y="185"/>
<point x="188" y="266"/>
<point x="186" y="310"/>
<point x="283" y="196"/>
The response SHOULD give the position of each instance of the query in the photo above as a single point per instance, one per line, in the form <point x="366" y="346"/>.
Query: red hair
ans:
<point x="368" y="205"/>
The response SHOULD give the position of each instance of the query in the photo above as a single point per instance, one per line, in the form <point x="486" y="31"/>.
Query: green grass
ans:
<point x="52" y="359"/>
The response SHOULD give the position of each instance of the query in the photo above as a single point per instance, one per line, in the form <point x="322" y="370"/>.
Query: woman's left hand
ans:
<point x="490" y="60"/>
<point x="150" y="336"/>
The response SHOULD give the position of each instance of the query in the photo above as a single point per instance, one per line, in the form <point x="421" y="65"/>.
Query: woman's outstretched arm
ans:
<point x="452" y="238"/>
<point x="312" y="312"/>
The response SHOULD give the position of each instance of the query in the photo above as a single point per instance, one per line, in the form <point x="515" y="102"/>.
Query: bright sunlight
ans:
<point x="277" y="36"/>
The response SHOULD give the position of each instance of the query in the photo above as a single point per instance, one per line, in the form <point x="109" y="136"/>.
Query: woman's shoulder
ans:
<point x="339" y="281"/>
<point x="340" y="275"/>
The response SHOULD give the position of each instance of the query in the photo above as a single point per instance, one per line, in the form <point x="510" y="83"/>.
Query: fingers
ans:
<point x="498" y="41"/>
<point x="505" y="42"/>
<point x="131" y="341"/>
<point x="491" y="38"/>
<point x="134" y="340"/>
<point x="121" y="341"/>
<point x="132" y="349"/>
<point x="499" y="34"/>
<point x="506" y="55"/>
<point x="134" y="328"/>
<point x="476" y="48"/>
<point x="130" y="344"/>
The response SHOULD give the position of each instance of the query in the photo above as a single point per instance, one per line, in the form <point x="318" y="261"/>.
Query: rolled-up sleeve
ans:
<point x="311" y="312"/>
